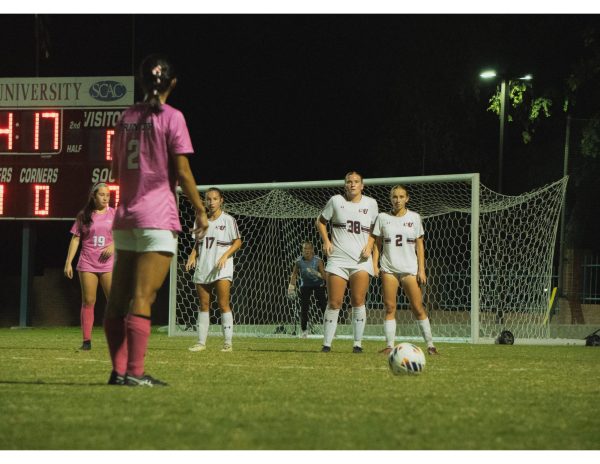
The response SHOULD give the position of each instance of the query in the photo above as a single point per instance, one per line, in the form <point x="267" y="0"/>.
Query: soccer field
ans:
<point x="284" y="394"/>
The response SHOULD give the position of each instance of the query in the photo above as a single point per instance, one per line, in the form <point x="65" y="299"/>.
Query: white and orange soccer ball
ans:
<point x="406" y="358"/>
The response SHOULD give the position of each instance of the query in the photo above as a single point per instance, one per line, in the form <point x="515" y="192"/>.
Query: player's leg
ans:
<point x="359" y="284"/>
<point x="150" y="273"/>
<point x="89" y="287"/>
<point x="204" y="294"/>
<point x="415" y="297"/>
<point x="389" y="284"/>
<point x="305" y="293"/>
<point x="116" y="309"/>
<point x="336" y="287"/>
<point x="223" y="288"/>
<point x="321" y="299"/>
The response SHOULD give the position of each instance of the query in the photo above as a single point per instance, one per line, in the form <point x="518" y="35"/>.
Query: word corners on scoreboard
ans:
<point x="56" y="142"/>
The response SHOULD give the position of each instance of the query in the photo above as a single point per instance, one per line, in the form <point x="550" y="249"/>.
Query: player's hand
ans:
<point x="375" y="270"/>
<point x="327" y="248"/>
<point x="421" y="278"/>
<point x="201" y="224"/>
<point x="191" y="262"/>
<point x="366" y="252"/>
<point x="68" y="271"/>
<point x="107" y="252"/>
<point x="291" y="292"/>
<point x="221" y="262"/>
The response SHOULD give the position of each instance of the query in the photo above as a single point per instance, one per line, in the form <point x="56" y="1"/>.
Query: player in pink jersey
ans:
<point x="93" y="229"/>
<point x="150" y="154"/>
<point x="399" y="239"/>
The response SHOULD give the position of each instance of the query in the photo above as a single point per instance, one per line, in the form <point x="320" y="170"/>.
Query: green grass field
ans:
<point x="284" y="394"/>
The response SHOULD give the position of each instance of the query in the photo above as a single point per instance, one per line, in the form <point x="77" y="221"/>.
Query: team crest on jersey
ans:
<point x="408" y="224"/>
<point x="364" y="211"/>
<point x="220" y="227"/>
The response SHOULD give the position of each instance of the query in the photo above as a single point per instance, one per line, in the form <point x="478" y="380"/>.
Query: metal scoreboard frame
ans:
<point x="55" y="142"/>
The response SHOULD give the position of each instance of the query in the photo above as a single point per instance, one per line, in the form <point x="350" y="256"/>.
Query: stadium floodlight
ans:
<point x="490" y="74"/>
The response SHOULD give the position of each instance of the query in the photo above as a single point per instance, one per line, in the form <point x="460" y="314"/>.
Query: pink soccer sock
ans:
<point x="87" y="320"/>
<point x="116" y="337"/>
<point x="138" y="332"/>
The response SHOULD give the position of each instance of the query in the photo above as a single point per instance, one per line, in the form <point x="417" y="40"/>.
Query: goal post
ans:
<point x="488" y="259"/>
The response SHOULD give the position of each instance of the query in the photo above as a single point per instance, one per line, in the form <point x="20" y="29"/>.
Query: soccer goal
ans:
<point x="488" y="259"/>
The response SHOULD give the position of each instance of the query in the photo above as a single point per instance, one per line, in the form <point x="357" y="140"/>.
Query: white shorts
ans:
<point x="345" y="269"/>
<point x="144" y="240"/>
<point x="398" y="275"/>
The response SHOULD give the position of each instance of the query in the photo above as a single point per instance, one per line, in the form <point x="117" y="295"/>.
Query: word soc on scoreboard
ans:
<point x="55" y="142"/>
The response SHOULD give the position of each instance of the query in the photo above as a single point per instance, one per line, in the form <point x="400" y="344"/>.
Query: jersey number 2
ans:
<point x="133" y="154"/>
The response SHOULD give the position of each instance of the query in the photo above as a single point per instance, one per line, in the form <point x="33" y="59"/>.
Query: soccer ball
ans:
<point x="406" y="358"/>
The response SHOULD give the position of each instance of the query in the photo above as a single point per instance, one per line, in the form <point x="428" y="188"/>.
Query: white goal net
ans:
<point x="488" y="259"/>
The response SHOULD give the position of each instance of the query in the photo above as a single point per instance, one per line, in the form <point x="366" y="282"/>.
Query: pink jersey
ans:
<point x="143" y="147"/>
<point x="93" y="240"/>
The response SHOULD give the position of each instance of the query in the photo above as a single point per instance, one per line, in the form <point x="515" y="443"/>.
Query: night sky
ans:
<point x="310" y="97"/>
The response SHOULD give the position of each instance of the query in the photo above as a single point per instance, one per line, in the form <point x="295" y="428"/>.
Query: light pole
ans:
<point x="504" y="92"/>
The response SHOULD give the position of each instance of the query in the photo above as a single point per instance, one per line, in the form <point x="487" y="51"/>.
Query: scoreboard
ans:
<point x="55" y="142"/>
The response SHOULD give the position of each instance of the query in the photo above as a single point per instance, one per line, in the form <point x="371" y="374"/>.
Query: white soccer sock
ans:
<point x="227" y="325"/>
<point x="389" y="329"/>
<point x="203" y="323"/>
<point x="359" y="320"/>
<point x="426" y="331"/>
<point x="330" y="320"/>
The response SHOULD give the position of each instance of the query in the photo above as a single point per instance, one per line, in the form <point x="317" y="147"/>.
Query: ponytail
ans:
<point x="156" y="75"/>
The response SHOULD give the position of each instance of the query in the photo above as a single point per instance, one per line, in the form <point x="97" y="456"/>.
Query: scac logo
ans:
<point x="107" y="90"/>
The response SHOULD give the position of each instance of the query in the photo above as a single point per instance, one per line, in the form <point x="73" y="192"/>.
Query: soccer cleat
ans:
<point x="304" y="334"/>
<point x="86" y="345"/>
<point x="197" y="347"/>
<point x="227" y="348"/>
<point x="143" y="381"/>
<point x="325" y="349"/>
<point x="432" y="350"/>
<point x="387" y="350"/>
<point x="357" y="349"/>
<point x="116" y="379"/>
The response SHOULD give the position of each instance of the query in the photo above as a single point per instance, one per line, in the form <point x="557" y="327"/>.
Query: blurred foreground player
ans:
<point x="151" y="148"/>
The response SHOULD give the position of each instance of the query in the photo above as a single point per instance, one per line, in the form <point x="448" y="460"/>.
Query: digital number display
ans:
<point x="52" y="154"/>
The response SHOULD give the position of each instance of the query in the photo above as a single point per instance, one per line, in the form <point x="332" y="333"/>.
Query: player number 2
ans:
<point x="353" y="227"/>
<point x="133" y="154"/>
<point x="398" y="240"/>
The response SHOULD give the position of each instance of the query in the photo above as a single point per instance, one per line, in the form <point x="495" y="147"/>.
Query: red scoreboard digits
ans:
<point x="56" y="137"/>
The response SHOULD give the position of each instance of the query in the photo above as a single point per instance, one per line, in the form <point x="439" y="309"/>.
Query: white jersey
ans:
<point x="350" y="226"/>
<point x="399" y="237"/>
<point x="218" y="239"/>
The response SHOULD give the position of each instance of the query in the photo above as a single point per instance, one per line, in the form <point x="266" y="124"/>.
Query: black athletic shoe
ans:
<point x="116" y="379"/>
<point x="325" y="349"/>
<point x="143" y="381"/>
<point x="357" y="349"/>
<point x="86" y="346"/>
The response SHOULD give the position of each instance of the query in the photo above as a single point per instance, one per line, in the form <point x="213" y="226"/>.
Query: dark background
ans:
<point x="310" y="97"/>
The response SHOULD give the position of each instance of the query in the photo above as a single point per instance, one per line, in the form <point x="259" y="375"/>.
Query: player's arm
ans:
<point x="420" y="247"/>
<point x="73" y="245"/>
<point x="321" y="268"/>
<point x="368" y="249"/>
<point x="235" y="246"/>
<point x="188" y="185"/>
<point x="292" y="286"/>
<point x="376" y="254"/>
<point x="191" y="261"/>
<point x="322" y="229"/>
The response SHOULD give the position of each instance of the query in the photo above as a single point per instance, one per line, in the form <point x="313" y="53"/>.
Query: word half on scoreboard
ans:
<point x="55" y="142"/>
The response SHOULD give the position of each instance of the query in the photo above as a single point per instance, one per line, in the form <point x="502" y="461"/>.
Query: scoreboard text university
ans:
<point x="55" y="142"/>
